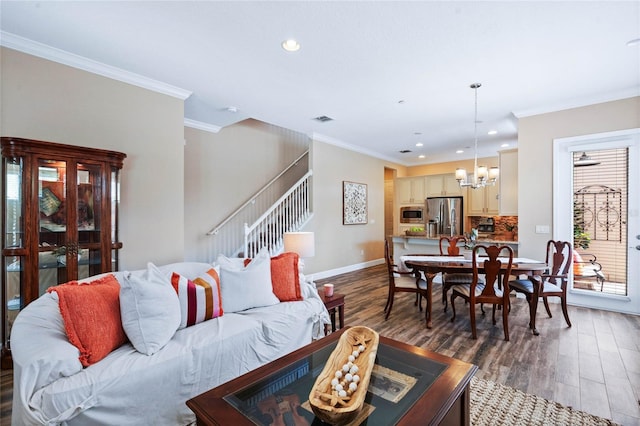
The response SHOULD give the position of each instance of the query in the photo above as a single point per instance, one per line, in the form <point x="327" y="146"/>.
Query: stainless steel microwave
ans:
<point x="412" y="214"/>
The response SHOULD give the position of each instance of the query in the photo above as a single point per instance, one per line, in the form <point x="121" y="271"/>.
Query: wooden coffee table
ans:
<point x="409" y="386"/>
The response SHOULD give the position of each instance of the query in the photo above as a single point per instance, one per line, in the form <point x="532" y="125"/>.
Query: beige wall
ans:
<point x="340" y="246"/>
<point x="48" y="101"/>
<point x="535" y="149"/>
<point x="225" y="169"/>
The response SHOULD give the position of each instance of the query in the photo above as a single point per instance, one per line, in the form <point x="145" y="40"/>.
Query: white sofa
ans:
<point x="130" y="388"/>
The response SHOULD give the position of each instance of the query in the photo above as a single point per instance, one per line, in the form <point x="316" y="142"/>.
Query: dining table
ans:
<point x="432" y="265"/>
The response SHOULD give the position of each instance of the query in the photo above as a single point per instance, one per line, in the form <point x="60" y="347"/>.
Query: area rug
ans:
<point x="496" y="404"/>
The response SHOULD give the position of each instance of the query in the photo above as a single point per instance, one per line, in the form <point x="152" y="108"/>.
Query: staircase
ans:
<point x="290" y="213"/>
<point x="263" y="219"/>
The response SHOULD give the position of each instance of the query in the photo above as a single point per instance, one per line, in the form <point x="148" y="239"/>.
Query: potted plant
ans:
<point x="580" y="237"/>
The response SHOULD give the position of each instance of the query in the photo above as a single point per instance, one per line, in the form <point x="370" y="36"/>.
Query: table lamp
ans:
<point x="300" y="242"/>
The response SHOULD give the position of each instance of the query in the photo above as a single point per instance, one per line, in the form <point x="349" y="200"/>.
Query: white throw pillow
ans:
<point x="245" y="287"/>
<point x="150" y="310"/>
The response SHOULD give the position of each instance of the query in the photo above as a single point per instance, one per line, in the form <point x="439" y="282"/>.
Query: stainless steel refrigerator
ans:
<point x="446" y="213"/>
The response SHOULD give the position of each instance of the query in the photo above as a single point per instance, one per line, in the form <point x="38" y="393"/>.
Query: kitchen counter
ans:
<point x="408" y="244"/>
<point x="480" y="240"/>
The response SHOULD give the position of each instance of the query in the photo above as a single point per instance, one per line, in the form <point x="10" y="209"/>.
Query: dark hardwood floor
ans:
<point x="593" y="366"/>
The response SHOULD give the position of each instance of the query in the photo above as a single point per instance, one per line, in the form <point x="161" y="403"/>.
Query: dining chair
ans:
<point x="402" y="282"/>
<point x="553" y="282"/>
<point x="450" y="246"/>
<point x="494" y="289"/>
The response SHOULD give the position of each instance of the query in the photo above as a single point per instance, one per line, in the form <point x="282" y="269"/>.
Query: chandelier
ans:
<point x="481" y="175"/>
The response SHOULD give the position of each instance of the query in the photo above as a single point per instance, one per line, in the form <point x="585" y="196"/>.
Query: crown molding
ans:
<point x="44" y="51"/>
<point x="578" y="103"/>
<point x="200" y="125"/>
<point x="332" y="141"/>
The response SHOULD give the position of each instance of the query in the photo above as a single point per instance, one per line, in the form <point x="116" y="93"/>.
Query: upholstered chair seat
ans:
<point x="554" y="283"/>
<point x="494" y="289"/>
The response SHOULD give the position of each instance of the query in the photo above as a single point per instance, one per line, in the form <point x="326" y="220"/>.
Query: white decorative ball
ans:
<point x="356" y="378"/>
<point x="339" y="374"/>
<point x="354" y="369"/>
<point x="355" y="353"/>
<point x="361" y="348"/>
<point x="352" y="358"/>
<point x="353" y="386"/>
<point x="334" y="382"/>
<point x="339" y="387"/>
<point x="345" y="368"/>
<point x="348" y="377"/>
<point x="342" y="393"/>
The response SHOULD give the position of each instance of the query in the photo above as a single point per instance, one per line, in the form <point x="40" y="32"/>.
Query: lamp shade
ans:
<point x="482" y="173"/>
<point x="461" y="175"/>
<point x="494" y="172"/>
<point x="302" y="243"/>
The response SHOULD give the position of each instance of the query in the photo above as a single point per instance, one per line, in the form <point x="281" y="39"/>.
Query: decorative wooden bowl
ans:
<point x="325" y="402"/>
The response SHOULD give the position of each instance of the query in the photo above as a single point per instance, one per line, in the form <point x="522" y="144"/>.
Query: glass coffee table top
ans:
<point x="398" y="380"/>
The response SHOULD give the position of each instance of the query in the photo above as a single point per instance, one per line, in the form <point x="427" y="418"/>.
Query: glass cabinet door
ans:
<point x="70" y="222"/>
<point x="53" y="241"/>
<point x="89" y="220"/>
<point x="13" y="249"/>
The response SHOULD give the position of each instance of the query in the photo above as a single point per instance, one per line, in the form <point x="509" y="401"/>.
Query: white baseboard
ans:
<point x="345" y="269"/>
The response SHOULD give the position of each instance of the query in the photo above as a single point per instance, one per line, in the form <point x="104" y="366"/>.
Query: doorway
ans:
<point x="389" y="179"/>
<point x="596" y="207"/>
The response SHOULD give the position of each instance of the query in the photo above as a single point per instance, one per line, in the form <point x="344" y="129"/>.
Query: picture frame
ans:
<point x="354" y="203"/>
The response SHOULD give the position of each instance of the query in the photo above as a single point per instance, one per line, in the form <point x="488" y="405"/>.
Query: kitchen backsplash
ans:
<point x="502" y="226"/>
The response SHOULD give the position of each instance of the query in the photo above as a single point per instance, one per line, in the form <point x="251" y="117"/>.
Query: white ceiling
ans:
<point x="390" y="74"/>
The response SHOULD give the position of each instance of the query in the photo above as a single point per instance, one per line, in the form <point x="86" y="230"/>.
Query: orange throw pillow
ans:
<point x="285" y="278"/>
<point x="91" y="315"/>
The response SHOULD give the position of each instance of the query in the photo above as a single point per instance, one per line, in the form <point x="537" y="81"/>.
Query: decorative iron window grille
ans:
<point x="598" y="211"/>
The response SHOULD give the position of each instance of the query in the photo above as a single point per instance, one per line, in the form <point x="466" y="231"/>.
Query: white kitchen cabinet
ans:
<point x="508" y="182"/>
<point x="483" y="201"/>
<point x="444" y="185"/>
<point x="410" y="190"/>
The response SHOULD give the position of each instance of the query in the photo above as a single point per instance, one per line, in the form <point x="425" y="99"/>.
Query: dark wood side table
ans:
<point x="332" y="303"/>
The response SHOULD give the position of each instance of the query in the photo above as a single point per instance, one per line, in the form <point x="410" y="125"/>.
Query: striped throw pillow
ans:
<point x="200" y="298"/>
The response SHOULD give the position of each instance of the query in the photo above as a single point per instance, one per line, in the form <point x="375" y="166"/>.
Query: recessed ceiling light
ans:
<point x="419" y="144"/>
<point x="634" y="42"/>
<point x="492" y="132"/>
<point x="291" y="45"/>
<point x="460" y="151"/>
<point x="401" y="101"/>
<point x="417" y="133"/>
<point x="232" y="109"/>
<point x="504" y="145"/>
<point x="421" y="156"/>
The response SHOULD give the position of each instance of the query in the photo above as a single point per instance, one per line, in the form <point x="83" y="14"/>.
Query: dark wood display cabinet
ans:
<point x="60" y="220"/>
